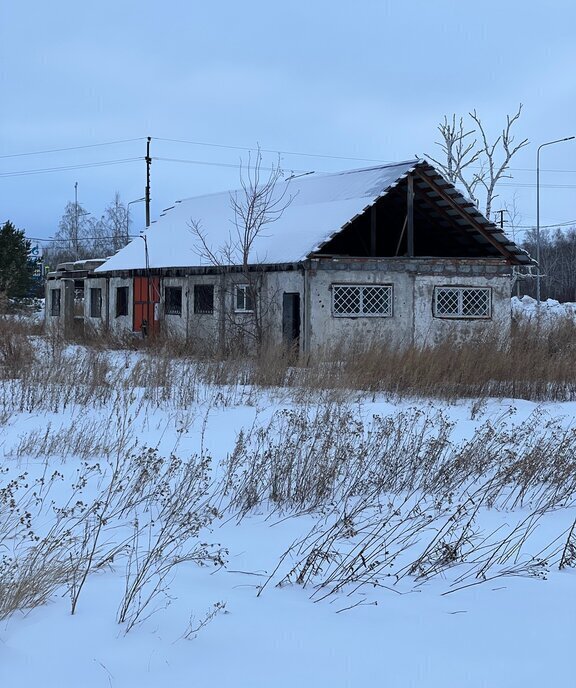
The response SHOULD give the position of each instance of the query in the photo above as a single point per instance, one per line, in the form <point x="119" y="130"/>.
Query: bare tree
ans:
<point x="81" y="235"/>
<point x="476" y="163"/>
<point x="110" y="233"/>
<point x="261" y="201"/>
<point x="460" y="153"/>
<point x="70" y="241"/>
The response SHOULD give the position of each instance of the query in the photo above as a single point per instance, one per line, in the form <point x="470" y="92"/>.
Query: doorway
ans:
<point x="146" y="298"/>
<point x="291" y="320"/>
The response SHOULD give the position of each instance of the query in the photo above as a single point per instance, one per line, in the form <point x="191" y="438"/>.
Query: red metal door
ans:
<point x="146" y="296"/>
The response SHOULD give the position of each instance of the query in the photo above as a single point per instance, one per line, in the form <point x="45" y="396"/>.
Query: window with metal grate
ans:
<point x="173" y="300"/>
<point x="365" y="300"/>
<point x="204" y="298"/>
<point x="463" y="302"/>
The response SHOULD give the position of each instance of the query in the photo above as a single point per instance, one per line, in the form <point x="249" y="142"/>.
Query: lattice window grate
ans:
<point x="462" y="302"/>
<point x="173" y="300"/>
<point x="368" y="300"/>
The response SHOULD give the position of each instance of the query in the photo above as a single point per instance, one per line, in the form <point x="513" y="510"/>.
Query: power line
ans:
<point x="533" y="169"/>
<point x="79" y="166"/>
<point x="542" y="186"/>
<point x="70" y="148"/>
<point x="242" y="148"/>
<point x="100" y="238"/>
<point x="270" y="150"/>
<point x="527" y="228"/>
<point x="218" y="164"/>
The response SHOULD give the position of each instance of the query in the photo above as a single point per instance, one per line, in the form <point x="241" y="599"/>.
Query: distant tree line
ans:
<point x="557" y="264"/>
<point x="80" y="235"/>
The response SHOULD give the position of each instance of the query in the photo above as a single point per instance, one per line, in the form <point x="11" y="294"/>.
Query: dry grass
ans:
<point x="140" y="511"/>
<point x="16" y="348"/>
<point x="48" y="373"/>
<point x="394" y="494"/>
<point x="536" y="364"/>
<point x="398" y="503"/>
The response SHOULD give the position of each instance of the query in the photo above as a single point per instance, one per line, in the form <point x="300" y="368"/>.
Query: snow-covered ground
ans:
<point x="550" y="309"/>
<point x="244" y="630"/>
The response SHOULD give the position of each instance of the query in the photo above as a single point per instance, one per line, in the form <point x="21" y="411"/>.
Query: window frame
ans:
<point x="169" y="308"/>
<point x="362" y="286"/>
<point x="55" y="302"/>
<point x="460" y="314"/>
<point x="197" y="289"/>
<point x="124" y="301"/>
<point x="93" y="291"/>
<point x="245" y="289"/>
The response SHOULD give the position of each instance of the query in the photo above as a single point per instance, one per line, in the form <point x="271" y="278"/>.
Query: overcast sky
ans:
<point x="366" y="80"/>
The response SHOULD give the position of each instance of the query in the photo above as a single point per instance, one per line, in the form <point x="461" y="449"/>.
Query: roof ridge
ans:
<point x="315" y="175"/>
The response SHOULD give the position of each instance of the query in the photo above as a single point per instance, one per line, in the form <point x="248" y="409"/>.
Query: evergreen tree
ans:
<point x="15" y="267"/>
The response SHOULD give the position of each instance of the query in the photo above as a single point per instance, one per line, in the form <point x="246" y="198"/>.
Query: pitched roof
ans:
<point x="320" y="207"/>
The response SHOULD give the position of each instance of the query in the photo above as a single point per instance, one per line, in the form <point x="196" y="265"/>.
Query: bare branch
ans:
<point x="461" y="153"/>
<point x="260" y="201"/>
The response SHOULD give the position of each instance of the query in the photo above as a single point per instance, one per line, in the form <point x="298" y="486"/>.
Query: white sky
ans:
<point x="369" y="79"/>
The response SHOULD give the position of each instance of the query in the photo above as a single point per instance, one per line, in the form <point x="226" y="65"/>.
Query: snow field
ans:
<point x="300" y="465"/>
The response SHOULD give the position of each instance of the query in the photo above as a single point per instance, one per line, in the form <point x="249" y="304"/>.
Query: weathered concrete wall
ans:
<point x="99" y="322"/>
<point x="65" y="320"/>
<point x="190" y="324"/>
<point x="275" y="285"/>
<point x="412" y="320"/>
<point x="120" y="324"/>
<point x="326" y="330"/>
<point x="175" y="324"/>
<point x="204" y="326"/>
<point x="430" y="330"/>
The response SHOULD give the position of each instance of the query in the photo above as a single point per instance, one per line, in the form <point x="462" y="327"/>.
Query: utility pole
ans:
<point x="75" y="238"/>
<point x="147" y="195"/>
<point x="539" y="273"/>
<point x="502" y="211"/>
<point x="148" y="322"/>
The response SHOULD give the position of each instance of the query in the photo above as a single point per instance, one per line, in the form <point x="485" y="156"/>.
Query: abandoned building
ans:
<point x="393" y="253"/>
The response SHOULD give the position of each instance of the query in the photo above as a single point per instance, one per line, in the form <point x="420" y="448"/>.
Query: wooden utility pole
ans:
<point x="76" y="214"/>
<point x="147" y="194"/>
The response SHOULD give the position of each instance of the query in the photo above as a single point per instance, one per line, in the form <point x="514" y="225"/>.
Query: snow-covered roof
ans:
<point x="320" y="207"/>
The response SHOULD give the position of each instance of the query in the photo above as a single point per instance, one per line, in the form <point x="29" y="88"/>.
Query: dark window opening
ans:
<point x="204" y="298"/>
<point x="121" y="301"/>
<point x="55" y="302"/>
<point x="173" y="300"/>
<point x="95" y="302"/>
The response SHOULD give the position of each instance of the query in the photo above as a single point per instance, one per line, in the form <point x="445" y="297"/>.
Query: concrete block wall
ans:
<point x="412" y="321"/>
<point x="96" y="322"/>
<point x="120" y="324"/>
<point x="413" y="282"/>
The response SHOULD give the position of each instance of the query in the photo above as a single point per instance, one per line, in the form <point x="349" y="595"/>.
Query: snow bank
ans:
<point x="550" y="310"/>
